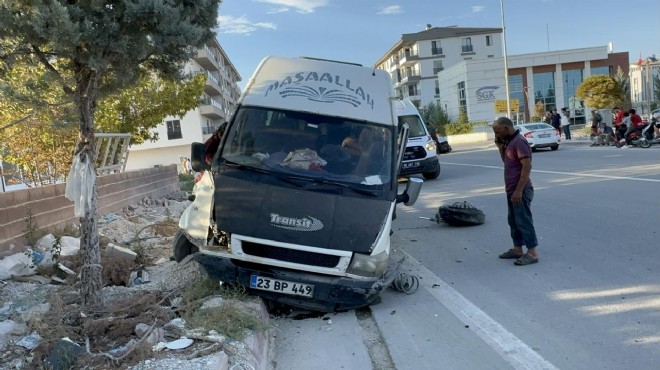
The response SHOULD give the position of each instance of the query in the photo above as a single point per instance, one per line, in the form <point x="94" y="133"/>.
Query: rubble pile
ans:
<point x="141" y="324"/>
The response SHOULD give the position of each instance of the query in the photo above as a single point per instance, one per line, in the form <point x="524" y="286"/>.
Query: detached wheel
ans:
<point x="461" y="214"/>
<point x="554" y="147"/>
<point x="432" y="175"/>
<point x="183" y="247"/>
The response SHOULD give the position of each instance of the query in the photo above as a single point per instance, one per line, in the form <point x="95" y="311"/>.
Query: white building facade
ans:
<point x="218" y="102"/>
<point x="416" y="59"/>
<point x="643" y="91"/>
<point x="547" y="79"/>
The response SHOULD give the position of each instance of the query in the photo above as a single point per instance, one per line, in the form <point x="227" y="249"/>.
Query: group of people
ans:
<point x="560" y="121"/>
<point x="624" y="124"/>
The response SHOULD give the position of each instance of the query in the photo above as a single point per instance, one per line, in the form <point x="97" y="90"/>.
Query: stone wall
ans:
<point x="51" y="210"/>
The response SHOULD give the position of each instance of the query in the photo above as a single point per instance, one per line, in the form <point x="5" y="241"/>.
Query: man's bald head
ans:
<point x="503" y="121"/>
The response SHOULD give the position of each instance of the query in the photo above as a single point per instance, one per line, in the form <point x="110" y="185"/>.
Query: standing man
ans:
<point x="517" y="157"/>
<point x="566" y="123"/>
<point x="555" y="120"/>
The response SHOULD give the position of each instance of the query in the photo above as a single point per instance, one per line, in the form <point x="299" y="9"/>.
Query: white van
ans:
<point x="421" y="154"/>
<point x="298" y="203"/>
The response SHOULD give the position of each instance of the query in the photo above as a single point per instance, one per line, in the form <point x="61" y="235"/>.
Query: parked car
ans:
<point x="539" y="135"/>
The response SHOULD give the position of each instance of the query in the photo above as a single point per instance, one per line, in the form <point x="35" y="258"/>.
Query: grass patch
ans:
<point x="234" y="318"/>
<point x="186" y="182"/>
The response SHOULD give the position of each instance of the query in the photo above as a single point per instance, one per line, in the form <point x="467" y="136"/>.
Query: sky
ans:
<point x="362" y="31"/>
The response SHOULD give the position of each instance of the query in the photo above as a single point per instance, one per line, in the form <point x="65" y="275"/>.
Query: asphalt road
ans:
<point x="592" y="302"/>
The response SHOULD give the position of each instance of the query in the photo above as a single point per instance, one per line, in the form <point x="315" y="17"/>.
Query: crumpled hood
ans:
<point x="298" y="216"/>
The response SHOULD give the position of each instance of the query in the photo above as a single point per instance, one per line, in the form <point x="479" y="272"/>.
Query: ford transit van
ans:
<point x="297" y="203"/>
<point x="421" y="156"/>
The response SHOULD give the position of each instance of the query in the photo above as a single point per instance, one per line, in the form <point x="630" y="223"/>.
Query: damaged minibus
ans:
<point x="298" y="200"/>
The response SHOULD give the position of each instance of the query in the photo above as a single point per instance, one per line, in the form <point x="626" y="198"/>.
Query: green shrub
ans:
<point x="458" y="128"/>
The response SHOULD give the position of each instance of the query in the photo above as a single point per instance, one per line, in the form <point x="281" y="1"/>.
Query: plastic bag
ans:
<point x="80" y="184"/>
<point x="305" y="159"/>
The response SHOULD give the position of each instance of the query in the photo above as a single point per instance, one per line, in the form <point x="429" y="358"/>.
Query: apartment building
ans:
<point x="643" y="90"/>
<point x="415" y="60"/>
<point x="218" y="102"/>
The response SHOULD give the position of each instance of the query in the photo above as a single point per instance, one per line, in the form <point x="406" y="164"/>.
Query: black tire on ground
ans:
<point x="432" y="175"/>
<point x="554" y="147"/>
<point x="182" y="246"/>
<point x="461" y="214"/>
<point x="644" y="143"/>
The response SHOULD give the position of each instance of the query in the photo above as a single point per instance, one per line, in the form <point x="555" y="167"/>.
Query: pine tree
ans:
<point x="100" y="47"/>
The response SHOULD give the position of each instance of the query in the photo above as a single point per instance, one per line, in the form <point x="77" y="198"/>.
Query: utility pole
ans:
<point x="506" y="65"/>
<point x="547" y="34"/>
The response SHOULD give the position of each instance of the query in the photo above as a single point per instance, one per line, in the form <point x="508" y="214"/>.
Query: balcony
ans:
<point x="408" y="58"/>
<point x="211" y="108"/>
<point x="212" y="85"/>
<point x="467" y="49"/>
<point x="207" y="59"/>
<point x="436" y="51"/>
<point x="410" y="77"/>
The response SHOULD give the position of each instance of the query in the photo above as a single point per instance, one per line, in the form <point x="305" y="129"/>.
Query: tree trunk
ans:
<point x="91" y="276"/>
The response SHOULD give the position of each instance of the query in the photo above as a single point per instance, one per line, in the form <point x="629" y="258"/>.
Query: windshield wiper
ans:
<point x="244" y="167"/>
<point x="321" y="180"/>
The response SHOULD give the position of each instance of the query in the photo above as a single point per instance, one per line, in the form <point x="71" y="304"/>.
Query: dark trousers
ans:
<point x="521" y="221"/>
<point x="567" y="132"/>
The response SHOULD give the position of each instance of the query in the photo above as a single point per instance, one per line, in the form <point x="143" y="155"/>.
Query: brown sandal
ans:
<point x="510" y="255"/>
<point x="525" y="260"/>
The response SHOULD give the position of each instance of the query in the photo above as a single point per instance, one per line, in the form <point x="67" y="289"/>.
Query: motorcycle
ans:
<point x="643" y="138"/>
<point x="442" y="145"/>
<point x="647" y="139"/>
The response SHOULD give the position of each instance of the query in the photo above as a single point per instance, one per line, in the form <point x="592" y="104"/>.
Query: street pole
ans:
<point x="506" y="64"/>
<point x="648" y="86"/>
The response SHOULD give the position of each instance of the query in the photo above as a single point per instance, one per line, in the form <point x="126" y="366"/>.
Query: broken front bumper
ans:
<point x="331" y="293"/>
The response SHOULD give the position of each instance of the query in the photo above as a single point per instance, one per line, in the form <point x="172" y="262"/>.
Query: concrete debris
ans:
<point x="178" y="322"/>
<point x="19" y="264"/>
<point x="66" y="269"/>
<point x="30" y="342"/>
<point x="64" y="354"/>
<point x="212" y="302"/>
<point x="157" y="334"/>
<point x="70" y="246"/>
<point x="8" y="328"/>
<point x="179" y="343"/>
<point x="32" y="279"/>
<point x="33" y="312"/>
<point x="138" y="277"/>
<point x="117" y="251"/>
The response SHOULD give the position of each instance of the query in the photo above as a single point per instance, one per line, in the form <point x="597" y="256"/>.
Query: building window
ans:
<point x="462" y="100"/>
<point x="174" y="130"/>
<point x="600" y="71"/>
<point x="412" y="90"/>
<point x="437" y="88"/>
<point x="437" y="66"/>
<point x="573" y="79"/>
<point x="489" y="40"/>
<point x="436" y="48"/>
<point x="544" y="94"/>
<point x="516" y="91"/>
<point x="466" y="45"/>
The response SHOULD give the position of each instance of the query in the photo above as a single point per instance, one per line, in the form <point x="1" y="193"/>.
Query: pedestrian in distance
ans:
<point x="596" y="119"/>
<point x="517" y="157"/>
<point x="565" y="123"/>
<point x="555" y="120"/>
<point x="547" y="117"/>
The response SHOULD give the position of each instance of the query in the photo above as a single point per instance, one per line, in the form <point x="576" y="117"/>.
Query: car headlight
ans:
<point x="430" y="146"/>
<point x="369" y="266"/>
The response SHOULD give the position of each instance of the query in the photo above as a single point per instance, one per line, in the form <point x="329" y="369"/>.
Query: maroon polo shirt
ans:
<point x="517" y="149"/>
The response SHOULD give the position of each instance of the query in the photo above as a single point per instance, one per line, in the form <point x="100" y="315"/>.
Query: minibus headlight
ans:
<point x="369" y="266"/>
<point x="430" y="146"/>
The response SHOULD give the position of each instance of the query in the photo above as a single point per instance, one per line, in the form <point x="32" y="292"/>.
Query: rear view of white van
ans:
<point x="421" y="156"/>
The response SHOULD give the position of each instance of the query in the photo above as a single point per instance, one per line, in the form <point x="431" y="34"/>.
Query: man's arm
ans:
<point x="525" y="172"/>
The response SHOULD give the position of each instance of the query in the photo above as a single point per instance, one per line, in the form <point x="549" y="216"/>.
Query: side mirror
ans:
<point x="197" y="161"/>
<point x="410" y="195"/>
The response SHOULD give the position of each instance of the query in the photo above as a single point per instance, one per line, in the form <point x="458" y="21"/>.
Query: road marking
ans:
<point x="561" y="173"/>
<point x="504" y="343"/>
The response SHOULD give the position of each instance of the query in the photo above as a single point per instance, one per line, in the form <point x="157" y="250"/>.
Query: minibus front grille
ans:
<point x="414" y="152"/>
<point x="290" y="255"/>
